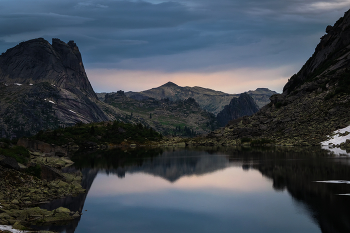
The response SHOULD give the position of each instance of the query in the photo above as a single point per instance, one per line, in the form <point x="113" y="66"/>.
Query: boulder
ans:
<point x="50" y="174"/>
<point x="42" y="147"/>
<point x="9" y="163"/>
<point x="62" y="210"/>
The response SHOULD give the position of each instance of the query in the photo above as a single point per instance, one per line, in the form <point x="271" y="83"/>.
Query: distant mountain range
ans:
<point x="180" y="117"/>
<point x="210" y="100"/>
<point x="44" y="86"/>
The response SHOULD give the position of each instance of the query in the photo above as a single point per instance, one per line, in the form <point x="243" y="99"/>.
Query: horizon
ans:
<point x="228" y="45"/>
<point x="189" y="87"/>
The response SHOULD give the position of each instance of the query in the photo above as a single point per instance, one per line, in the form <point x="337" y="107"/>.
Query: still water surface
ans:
<point x="206" y="190"/>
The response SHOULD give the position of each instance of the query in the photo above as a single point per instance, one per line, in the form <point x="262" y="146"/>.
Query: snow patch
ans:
<point x="334" y="181"/>
<point x="10" y="229"/>
<point x="30" y="84"/>
<point x="72" y="111"/>
<point x="336" y="139"/>
<point x="18" y="84"/>
<point x="50" y="101"/>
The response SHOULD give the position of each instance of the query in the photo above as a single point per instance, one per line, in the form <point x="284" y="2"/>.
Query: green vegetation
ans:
<point x="34" y="171"/>
<point x="100" y="133"/>
<point x="19" y="153"/>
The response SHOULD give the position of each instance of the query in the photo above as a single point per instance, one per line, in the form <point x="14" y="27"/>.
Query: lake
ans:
<point x="210" y="190"/>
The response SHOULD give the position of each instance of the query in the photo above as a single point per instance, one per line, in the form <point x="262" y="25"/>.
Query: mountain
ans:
<point x="314" y="103"/>
<point x="181" y="117"/>
<point x="210" y="100"/>
<point x="261" y="96"/>
<point x="44" y="86"/>
<point x="238" y="107"/>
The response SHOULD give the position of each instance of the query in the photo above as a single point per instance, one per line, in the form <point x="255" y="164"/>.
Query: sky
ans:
<point x="134" y="45"/>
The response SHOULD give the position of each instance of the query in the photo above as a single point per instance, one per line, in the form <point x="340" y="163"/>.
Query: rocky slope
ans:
<point x="314" y="102"/>
<point x="238" y="107"/>
<point x="44" y="86"/>
<point x="181" y="117"/>
<point x="210" y="100"/>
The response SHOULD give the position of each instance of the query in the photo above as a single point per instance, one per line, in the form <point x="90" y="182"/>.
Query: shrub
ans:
<point x="34" y="171"/>
<point x="261" y="141"/>
<point x="246" y="140"/>
<point x="19" y="153"/>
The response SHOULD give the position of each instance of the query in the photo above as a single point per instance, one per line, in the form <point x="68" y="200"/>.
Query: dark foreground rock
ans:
<point x="9" y="162"/>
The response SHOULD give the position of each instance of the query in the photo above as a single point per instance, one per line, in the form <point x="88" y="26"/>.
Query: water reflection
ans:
<point x="210" y="190"/>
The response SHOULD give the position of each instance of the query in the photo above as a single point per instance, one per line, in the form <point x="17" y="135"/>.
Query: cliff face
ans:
<point x="44" y="86"/>
<point x="315" y="101"/>
<point x="330" y="55"/>
<point x="238" y="107"/>
<point x="37" y="61"/>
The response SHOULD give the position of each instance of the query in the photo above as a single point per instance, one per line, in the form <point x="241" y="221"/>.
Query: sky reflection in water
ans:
<point x="227" y="200"/>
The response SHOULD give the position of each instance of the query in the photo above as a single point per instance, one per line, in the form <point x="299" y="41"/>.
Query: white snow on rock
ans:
<point x="337" y="139"/>
<point x="30" y="84"/>
<point x="334" y="181"/>
<point x="72" y="111"/>
<point x="50" y="101"/>
<point x="18" y="84"/>
<point x="10" y="229"/>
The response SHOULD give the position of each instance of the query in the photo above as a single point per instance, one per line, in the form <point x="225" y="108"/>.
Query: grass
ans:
<point x="19" y="153"/>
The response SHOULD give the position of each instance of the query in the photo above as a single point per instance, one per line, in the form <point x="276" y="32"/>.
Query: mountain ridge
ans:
<point x="211" y="100"/>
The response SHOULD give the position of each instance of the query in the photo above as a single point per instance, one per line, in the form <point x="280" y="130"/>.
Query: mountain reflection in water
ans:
<point x="207" y="190"/>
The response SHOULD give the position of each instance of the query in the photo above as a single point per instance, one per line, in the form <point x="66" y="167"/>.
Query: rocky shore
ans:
<point x="23" y="187"/>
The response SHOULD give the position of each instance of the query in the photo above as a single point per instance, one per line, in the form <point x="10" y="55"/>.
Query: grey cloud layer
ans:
<point x="138" y="34"/>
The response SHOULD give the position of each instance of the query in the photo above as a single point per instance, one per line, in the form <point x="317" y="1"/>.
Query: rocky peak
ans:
<point x="333" y="45"/>
<point x="169" y="84"/>
<point x="244" y="105"/>
<point x="37" y="61"/>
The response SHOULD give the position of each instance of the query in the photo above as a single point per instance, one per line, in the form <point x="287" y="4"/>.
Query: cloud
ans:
<point x="321" y="6"/>
<point x="173" y="37"/>
<point x="19" y="23"/>
<point x="90" y="4"/>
